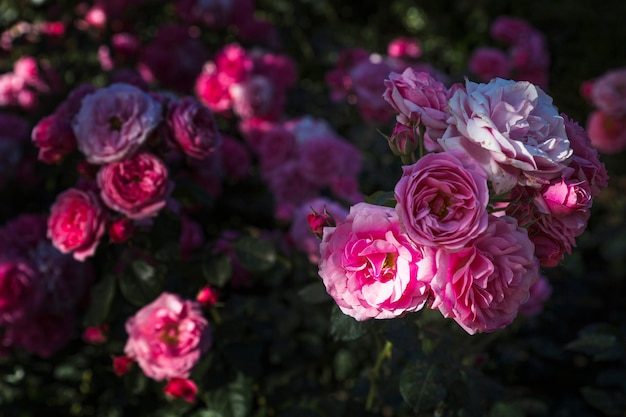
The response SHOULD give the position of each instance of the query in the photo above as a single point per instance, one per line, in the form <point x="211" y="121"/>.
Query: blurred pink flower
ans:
<point x="489" y="63"/>
<point x="181" y="388"/>
<point x="193" y="127"/>
<point x="607" y="133"/>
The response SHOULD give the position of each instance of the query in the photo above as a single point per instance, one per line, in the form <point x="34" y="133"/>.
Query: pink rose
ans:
<point x="563" y="196"/>
<point x="367" y="78"/>
<point x="509" y="29"/>
<point x="256" y="97"/>
<point x="21" y="292"/>
<point x="114" y="122"/>
<point x="193" y="127"/>
<point x="404" y="48"/>
<point x="539" y="293"/>
<point x="513" y="131"/>
<point x="608" y="93"/>
<point x="76" y="223"/>
<point x="370" y="268"/>
<point x="442" y="201"/>
<point x="181" y="388"/>
<point x="137" y="187"/>
<point x="120" y="230"/>
<point x="96" y="335"/>
<point x="167" y="337"/>
<point x="489" y="63"/>
<point x="483" y="285"/>
<point x="418" y="98"/>
<point x="607" y="133"/>
<point x="212" y="90"/>
<point x="54" y="137"/>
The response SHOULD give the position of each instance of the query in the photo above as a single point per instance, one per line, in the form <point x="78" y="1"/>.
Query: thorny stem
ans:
<point x="384" y="353"/>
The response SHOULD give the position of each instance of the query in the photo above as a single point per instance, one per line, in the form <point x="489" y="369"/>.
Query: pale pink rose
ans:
<point x="483" y="285"/>
<point x="404" y="47"/>
<point x="607" y="134"/>
<point x="193" y="127"/>
<point x="539" y="293"/>
<point x="511" y="129"/>
<point x="442" y="201"/>
<point x="585" y="162"/>
<point x="114" y="122"/>
<point x="300" y="233"/>
<point x="76" y="223"/>
<point x="167" y="337"/>
<point x="54" y="137"/>
<point x="137" y="187"/>
<point x="43" y="335"/>
<point x="181" y="388"/>
<point x="608" y="93"/>
<point x="509" y="29"/>
<point x="21" y="289"/>
<point x="370" y="268"/>
<point x="419" y="98"/>
<point x="489" y="63"/>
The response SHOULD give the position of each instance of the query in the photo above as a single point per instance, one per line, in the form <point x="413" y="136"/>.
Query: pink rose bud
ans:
<point x="96" y="335"/>
<point x="207" y="296"/>
<point x="121" y="364"/>
<point x="563" y="197"/>
<point x="404" y="48"/>
<point x="317" y="222"/>
<point x="181" y="388"/>
<point x="402" y="141"/>
<point x="121" y="230"/>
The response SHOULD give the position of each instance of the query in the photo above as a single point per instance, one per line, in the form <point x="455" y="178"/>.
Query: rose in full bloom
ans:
<point x="442" y="201"/>
<point x="167" y="337"/>
<point x="418" y="97"/>
<point x="193" y="127"/>
<point x="21" y="291"/>
<point x="137" y="187"/>
<point x="483" y="285"/>
<point x="608" y="93"/>
<point x="511" y="129"/>
<point x="607" y="133"/>
<point x="114" y="122"/>
<point x="370" y="268"/>
<point x="488" y="63"/>
<point x="76" y="223"/>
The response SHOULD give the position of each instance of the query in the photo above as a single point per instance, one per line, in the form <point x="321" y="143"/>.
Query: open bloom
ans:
<point x="370" y="268"/>
<point x="511" y="129"/>
<point x="167" y="337"/>
<point x="442" y="202"/>
<point x="482" y="286"/>
<point x="193" y="127"/>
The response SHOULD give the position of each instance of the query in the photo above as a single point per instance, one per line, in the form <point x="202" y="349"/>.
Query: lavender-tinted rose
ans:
<point x="193" y="127"/>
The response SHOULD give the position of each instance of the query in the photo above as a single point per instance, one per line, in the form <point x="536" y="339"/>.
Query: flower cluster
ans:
<point x="526" y="58"/>
<point x="504" y="186"/>
<point x="606" y="125"/>
<point x="28" y="80"/>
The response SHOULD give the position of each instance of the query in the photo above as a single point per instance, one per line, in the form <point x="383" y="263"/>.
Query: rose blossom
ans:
<point x="563" y="196"/>
<point x="418" y="97"/>
<point x="483" y="285"/>
<point x="114" y="122"/>
<point x="76" y="223"/>
<point x="441" y="202"/>
<point x="488" y="63"/>
<point x="167" y="337"/>
<point x="513" y="131"/>
<point x="193" y="127"/>
<point x="137" y="187"/>
<point x="181" y="388"/>
<point x="607" y="133"/>
<point x="608" y="93"/>
<point x="20" y="289"/>
<point x="370" y="268"/>
<point x="539" y="293"/>
<point x="54" y="137"/>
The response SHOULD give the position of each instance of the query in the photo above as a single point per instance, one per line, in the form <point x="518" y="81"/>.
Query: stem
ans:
<point x="422" y="131"/>
<point x="384" y="353"/>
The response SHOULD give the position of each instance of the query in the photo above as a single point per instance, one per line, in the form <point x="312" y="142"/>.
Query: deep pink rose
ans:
<point x="608" y="93"/>
<point x="403" y="47"/>
<point x="607" y="133"/>
<point x="509" y="29"/>
<point x="167" y="337"/>
<point x="442" y="201"/>
<point x="121" y="229"/>
<point x="511" y="129"/>
<point x="212" y="90"/>
<point x="193" y="127"/>
<point x="21" y="292"/>
<point x="483" y="285"/>
<point x="181" y="388"/>
<point x="418" y="97"/>
<point x="122" y="364"/>
<point x="54" y="137"/>
<point x="76" y="223"/>
<point x="233" y="63"/>
<point x="96" y="335"/>
<point x="137" y="187"/>
<point x="114" y="122"/>
<point x="370" y="268"/>
<point x="563" y="196"/>
<point x="489" y="63"/>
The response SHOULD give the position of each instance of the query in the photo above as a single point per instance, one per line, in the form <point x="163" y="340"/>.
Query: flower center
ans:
<point x="439" y="205"/>
<point x="169" y="333"/>
<point x="115" y="123"/>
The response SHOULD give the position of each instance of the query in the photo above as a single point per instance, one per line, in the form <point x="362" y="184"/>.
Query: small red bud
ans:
<point x="181" y="388"/>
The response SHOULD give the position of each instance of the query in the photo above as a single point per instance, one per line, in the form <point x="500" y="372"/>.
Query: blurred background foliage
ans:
<point x="292" y="359"/>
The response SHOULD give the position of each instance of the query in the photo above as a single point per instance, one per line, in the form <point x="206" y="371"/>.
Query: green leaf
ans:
<point x="501" y="409"/>
<point x="421" y="386"/>
<point x="611" y="404"/>
<point x="102" y="295"/>
<point x="143" y="283"/>
<point x="240" y="395"/>
<point x="599" y="341"/>
<point x="218" y="270"/>
<point x="343" y="327"/>
<point x="382" y="198"/>
<point x="255" y="254"/>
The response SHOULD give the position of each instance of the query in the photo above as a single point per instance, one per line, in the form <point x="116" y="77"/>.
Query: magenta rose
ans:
<point x="76" y="223"/>
<point x="167" y="337"/>
<point x="442" y="202"/>
<point x="137" y="187"/>
<point x="370" y="268"/>
<point x="21" y="291"/>
<point x="114" y="122"/>
<point x="511" y="129"/>
<point x="563" y="196"/>
<point x="54" y="137"/>
<point x="418" y="98"/>
<point x="193" y="127"/>
<point x="483" y="285"/>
